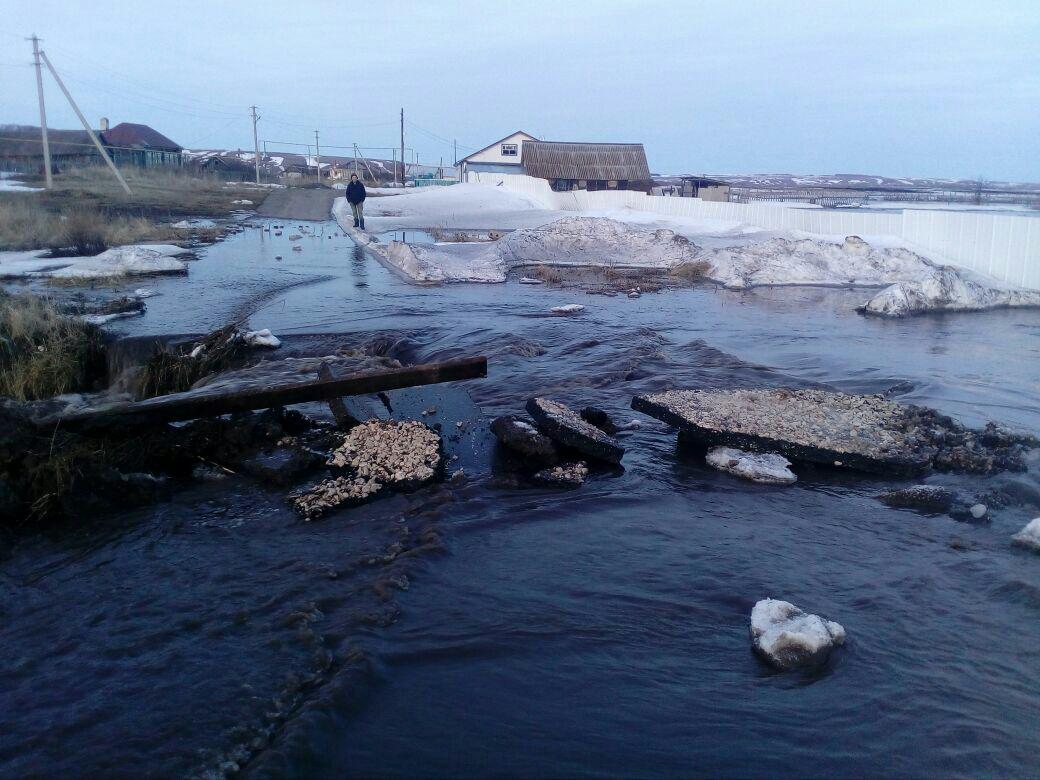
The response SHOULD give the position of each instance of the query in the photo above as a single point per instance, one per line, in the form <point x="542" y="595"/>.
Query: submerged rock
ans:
<point x="521" y="436"/>
<point x="1029" y="536"/>
<point x="564" y="475"/>
<point x="787" y="637"/>
<point x="930" y="499"/>
<point x="596" y="416"/>
<point x="767" y="468"/>
<point x="563" y="425"/>
<point x="865" y="432"/>
<point x="377" y="456"/>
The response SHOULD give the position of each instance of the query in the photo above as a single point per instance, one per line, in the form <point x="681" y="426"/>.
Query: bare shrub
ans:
<point x="692" y="271"/>
<point x="546" y="273"/>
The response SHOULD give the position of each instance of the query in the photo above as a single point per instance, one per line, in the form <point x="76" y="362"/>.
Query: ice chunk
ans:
<point x="261" y="338"/>
<point x="787" y="637"/>
<point x="767" y="468"/>
<point x="569" y="308"/>
<point x="1029" y="536"/>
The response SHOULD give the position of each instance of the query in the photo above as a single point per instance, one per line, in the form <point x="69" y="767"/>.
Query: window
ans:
<point x="510" y="150"/>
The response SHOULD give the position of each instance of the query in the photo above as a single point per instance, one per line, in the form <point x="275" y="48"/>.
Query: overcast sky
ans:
<point x="917" y="88"/>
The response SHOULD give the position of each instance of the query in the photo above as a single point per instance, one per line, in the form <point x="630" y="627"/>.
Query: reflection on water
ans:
<point x="600" y="631"/>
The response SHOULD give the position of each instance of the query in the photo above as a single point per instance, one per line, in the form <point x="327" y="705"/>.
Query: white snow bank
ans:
<point x="767" y="468"/>
<point x="787" y="637"/>
<point x="14" y="185"/>
<point x="261" y="338"/>
<point x="781" y="261"/>
<point x="471" y="206"/>
<point x="947" y="289"/>
<point x="1029" y="536"/>
<point x="136" y="260"/>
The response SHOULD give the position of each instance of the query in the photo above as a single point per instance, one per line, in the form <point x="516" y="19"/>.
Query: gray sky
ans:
<point x="895" y="88"/>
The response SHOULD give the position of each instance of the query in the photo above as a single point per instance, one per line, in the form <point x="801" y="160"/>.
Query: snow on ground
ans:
<point x="947" y="289"/>
<point x="10" y="184"/>
<point x="134" y="260"/>
<point x="194" y="224"/>
<point x="736" y="255"/>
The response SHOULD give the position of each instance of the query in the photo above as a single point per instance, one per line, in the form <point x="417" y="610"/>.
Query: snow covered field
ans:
<point x="733" y="254"/>
<point x="135" y="260"/>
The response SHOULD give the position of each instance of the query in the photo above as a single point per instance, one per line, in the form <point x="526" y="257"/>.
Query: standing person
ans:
<point x="356" y="199"/>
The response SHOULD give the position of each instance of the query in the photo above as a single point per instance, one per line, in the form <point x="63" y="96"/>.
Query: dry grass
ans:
<point x="692" y="271"/>
<point x="546" y="273"/>
<point x="83" y="230"/>
<point x="45" y="353"/>
<point x="173" y="371"/>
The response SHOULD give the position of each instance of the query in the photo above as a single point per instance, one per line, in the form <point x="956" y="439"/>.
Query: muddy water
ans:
<point x="482" y="630"/>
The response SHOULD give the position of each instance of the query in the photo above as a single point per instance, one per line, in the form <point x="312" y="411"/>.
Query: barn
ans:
<point x="566" y="165"/>
<point x="587" y="166"/>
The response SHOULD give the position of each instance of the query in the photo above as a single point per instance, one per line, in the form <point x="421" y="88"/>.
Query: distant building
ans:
<point x="503" y="156"/>
<point x="586" y="166"/>
<point x="704" y="188"/>
<point x="21" y="149"/>
<point x="140" y="145"/>
<point x="565" y="165"/>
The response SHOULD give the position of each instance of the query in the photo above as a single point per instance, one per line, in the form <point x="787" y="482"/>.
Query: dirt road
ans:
<point x="298" y="203"/>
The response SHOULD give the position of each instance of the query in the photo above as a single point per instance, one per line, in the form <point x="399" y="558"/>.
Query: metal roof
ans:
<point x="24" y="141"/>
<point x="592" y="162"/>
<point x="128" y="134"/>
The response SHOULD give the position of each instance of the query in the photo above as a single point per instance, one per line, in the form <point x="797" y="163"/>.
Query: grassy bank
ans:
<point x="87" y="211"/>
<point x="45" y="353"/>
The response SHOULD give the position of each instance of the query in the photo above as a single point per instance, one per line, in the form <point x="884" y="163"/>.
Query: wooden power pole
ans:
<point x="403" y="170"/>
<point x="317" y="156"/>
<point x="256" y="145"/>
<point x="86" y="124"/>
<point x="43" y="111"/>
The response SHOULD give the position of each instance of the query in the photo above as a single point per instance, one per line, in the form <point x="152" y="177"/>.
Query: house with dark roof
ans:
<point x="133" y="144"/>
<point x="21" y="149"/>
<point x="565" y="165"/>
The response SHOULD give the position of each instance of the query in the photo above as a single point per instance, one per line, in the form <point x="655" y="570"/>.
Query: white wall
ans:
<point x="1005" y="247"/>
<point x="494" y="154"/>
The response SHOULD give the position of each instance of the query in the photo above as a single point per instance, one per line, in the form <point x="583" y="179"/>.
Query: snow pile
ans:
<point x="136" y="260"/>
<point x="261" y="338"/>
<point x="9" y="184"/>
<point x="573" y="241"/>
<point x="1029" y="536"/>
<point x="787" y="637"/>
<point x="768" y="468"/>
<point x="946" y="289"/>
<point x="193" y="224"/>
<point x="782" y="261"/>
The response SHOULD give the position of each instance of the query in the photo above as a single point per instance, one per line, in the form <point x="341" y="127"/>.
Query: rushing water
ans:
<point x="485" y="630"/>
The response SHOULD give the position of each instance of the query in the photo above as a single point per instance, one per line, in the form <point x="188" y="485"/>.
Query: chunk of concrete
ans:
<point x="521" y="436"/>
<point x="929" y="499"/>
<point x="787" y="637"/>
<point x="569" y="475"/>
<point x="562" y="424"/>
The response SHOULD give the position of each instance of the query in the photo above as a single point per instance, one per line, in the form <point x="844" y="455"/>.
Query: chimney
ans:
<point x="104" y="124"/>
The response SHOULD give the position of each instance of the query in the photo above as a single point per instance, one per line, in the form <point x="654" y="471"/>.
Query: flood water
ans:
<point x="483" y="630"/>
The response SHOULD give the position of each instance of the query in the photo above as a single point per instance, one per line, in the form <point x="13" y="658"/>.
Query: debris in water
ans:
<point x="786" y="637"/>
<point x="866" y="432"/>
<point x="1029" y="536"/>
<point x="564" y="475"/>
<point x="521" y="436"/>
<point x="563" y="425"/>
<point x="767" y="468"/>
<point x="570" y="308"/>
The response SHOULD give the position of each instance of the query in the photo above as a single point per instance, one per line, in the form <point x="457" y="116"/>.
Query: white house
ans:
<point x="503" y="156"/>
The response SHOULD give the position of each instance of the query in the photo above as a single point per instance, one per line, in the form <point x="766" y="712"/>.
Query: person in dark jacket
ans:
<point x="356" y="199"/>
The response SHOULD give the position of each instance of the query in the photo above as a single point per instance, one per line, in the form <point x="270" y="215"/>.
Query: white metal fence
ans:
<point x="1002" y="246"/>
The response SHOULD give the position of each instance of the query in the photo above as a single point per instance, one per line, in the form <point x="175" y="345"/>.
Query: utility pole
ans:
<point x="43" y="111"/>
<point x="455" y="151"/>
<point x="403" y="171"/>
<point x="317" y="156"/>
<point x="86" y="124"/>
<point x="256" y="145"/>
<point x="393" y="154"/>
<point x="355" y="158"/>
